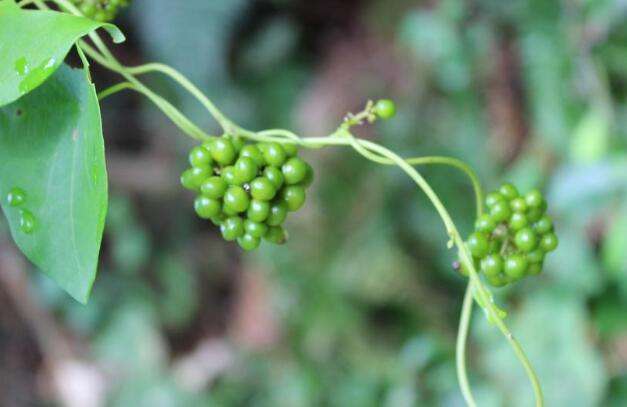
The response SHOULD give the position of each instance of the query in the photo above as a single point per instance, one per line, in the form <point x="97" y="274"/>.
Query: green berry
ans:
<point x="274" y="154"/>
<point x="508" y="191"/>
<point x="517" y="221"/>
<point x="236" y="199"/>
<point x="497" y="281"/>
<point x="515" y="266"/>
<point x="294" y="196"/>
<point x="534" y="269"/>
<point x="309" y="176"/>
<point x="385" y="108"/>
<point x="206" y="207"/>
<point x="278" y="213"/>
<point x="223" y="151"/>
<point x="534" y="199"/>
<point x="534" y="214"/>
<point x="294" y="170"/>
<point x="549" y="242"/>
<point x="232" y="228"/>
<point x="526" y="239"/>
<point x="290" y="149"/>
<point x="251" y="151"/>
<point x="193" y="177"/>
<point x="256" y="229"/>
<point x="248" y="242"/>
<point x="275" y="176"/>
<point x="543" y="225"/>
<point x="500" y="211"/>
<point x="485" y="224"/>
<point x="229" y="175"/>
<point x="478" y="244"/>
<point x="492" y="198"/>
<point x="276" y="235"/>
<point x="262" y="189"/>
<point x="518" y="205"/>
<point x="535" y="256"/>
<point x="245" y="169"/>
<point x="237" y="142"/>
<point x="258" y="211"/>
<point x="492" y="265"/>
<point x="199" y="156"/>
<point x="214" y="187"/>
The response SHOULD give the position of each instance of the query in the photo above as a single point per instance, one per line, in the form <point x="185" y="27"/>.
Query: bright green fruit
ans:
<point x="492" y="265"/>
<point x="508" y="191"/>
<point x="500" y="211"/>
<point x="543" y="225"/>
<point x="294" y="196"/>
<point x="199" y="156"/>
<point x="534" y="199"/>
<point x="485" y="224"/>
<point x="236" y="199"/>
<point x="274" y="154"/>
<point x="526" y="239"/>
<point x="290" y="149"/>
<point x="385" y="108"/>
<point x="478" y="244"/>
<point x="294" y="170"/>
<point x="515" y="266"/>
<point x="256" y="229"/>
<point x="275" y="176"/>
<point x="276" y="235"/>
<point x="193" y="177"/>
<point x="245" y="169"/>
<point x="517" y="221"/>
<point x="262" y="189"/>
<point x="248" y="242"/>
<point x="518" y="205"/>
<point x="229" y="176"/>
<point x="549" y="242"/>
<point x="232" y="228"/>
<point x="278" y="213"/>
<point x="492" y="198"/>
<point x="223" y="151"/>
<point x="206" y="207"/>
<point x="251" y="151"/>
<point x="258" y="211"/>
<point x="214" y="187"/>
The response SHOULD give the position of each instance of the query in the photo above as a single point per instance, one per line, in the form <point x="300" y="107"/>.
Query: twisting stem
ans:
<point x="341" y="137"/>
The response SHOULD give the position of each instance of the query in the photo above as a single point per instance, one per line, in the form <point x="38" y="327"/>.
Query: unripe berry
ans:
<point x="385" y="109"/>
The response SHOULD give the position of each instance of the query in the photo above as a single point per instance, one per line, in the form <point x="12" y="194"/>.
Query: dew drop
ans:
<point x="21" y="66"/>
<point x="16" y="197"/>
<point x="27" y="221"/>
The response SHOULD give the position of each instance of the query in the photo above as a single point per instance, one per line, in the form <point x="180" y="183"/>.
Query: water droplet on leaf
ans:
<point x="27" y="221"/>
<point x="16" y="197"/>
<point x="21" y="66"/>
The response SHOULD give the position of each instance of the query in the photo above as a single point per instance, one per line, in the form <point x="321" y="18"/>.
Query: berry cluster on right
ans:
<point x="512" y="239"/>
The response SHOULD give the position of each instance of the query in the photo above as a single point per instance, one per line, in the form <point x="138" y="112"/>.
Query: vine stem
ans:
<point x="341" y="136"/>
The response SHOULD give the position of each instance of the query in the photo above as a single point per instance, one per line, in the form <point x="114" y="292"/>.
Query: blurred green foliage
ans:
<point x="363" y="295"/>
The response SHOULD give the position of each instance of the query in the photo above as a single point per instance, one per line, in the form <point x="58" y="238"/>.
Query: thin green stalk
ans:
<point x="118" y="87"/>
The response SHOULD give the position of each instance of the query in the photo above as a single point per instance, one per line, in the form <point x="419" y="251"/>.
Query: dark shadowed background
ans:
<point x="360" y="307"/>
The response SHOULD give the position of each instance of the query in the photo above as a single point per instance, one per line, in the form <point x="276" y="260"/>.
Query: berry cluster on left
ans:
<point x="247" y="189"/>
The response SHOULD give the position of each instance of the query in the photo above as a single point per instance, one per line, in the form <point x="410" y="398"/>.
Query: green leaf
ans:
<point x="52" y="152"/>
<point x="33" y="44"/>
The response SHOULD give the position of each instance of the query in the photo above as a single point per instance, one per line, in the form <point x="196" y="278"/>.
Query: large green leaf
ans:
<point x="33" y="44"/>
<point x="52" y="151"/>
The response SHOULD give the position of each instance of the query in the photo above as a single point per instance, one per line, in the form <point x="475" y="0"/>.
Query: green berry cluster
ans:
<point x="247" y="189"/>
<point x="511" y="240"/>
<point x="100" y="10"/>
